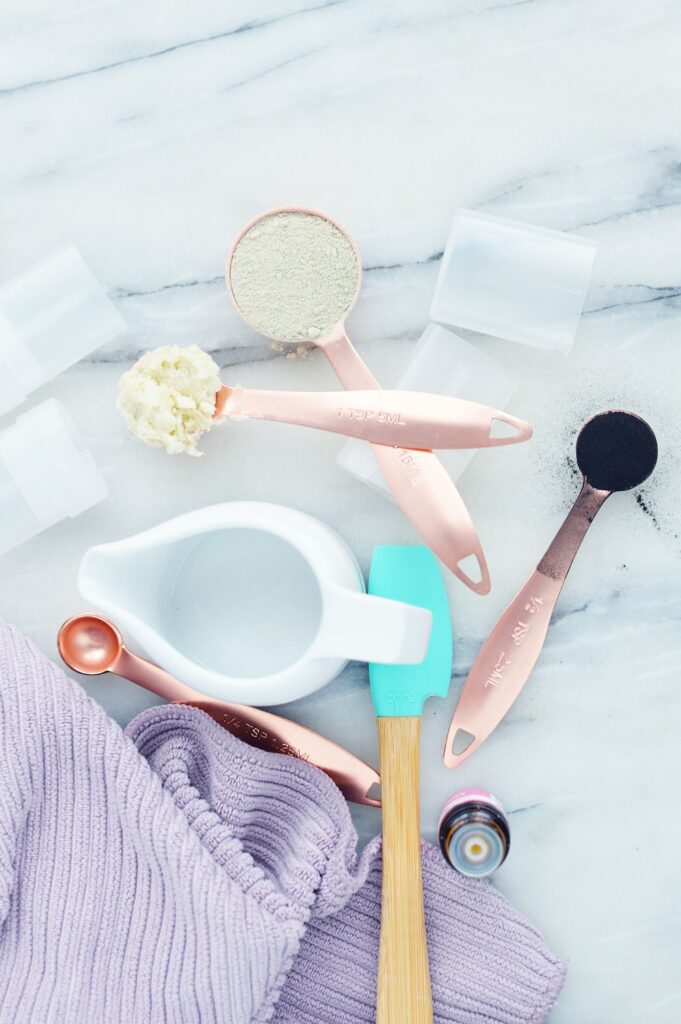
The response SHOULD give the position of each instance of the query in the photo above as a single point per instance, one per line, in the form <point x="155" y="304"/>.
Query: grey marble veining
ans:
<point x="148" y="133"/>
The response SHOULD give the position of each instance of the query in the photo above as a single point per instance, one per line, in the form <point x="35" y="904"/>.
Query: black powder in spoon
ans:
<point x="616" y="451"/>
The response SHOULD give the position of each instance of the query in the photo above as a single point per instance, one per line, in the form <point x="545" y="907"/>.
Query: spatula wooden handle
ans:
<point x="404" y="995"/>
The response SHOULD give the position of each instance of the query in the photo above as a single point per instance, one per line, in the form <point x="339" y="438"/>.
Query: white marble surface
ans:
<point x="148" y="132"/>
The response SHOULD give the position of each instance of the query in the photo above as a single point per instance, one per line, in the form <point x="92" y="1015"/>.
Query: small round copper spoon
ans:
<point x="92" y="645"/>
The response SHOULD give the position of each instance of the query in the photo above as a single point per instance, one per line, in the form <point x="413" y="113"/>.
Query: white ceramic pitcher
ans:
<point x="249" y="602"/>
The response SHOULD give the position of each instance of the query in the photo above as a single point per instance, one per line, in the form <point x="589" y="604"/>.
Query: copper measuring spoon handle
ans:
<point x="151" y="677"/>
<point x="510" y="652"/>
<point x="422" y="486"/>
<point x="412" y="419"/>
<point x="262" y="729"/>
<point x="356" y="779"/>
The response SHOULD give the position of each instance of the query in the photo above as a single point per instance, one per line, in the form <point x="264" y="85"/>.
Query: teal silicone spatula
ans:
<point x="412" y="575"/>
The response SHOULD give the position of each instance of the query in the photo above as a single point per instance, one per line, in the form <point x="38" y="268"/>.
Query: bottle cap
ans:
<point x="513" y="280"/>
<point x="50" y="317"/>
<point x="444" y="364"/>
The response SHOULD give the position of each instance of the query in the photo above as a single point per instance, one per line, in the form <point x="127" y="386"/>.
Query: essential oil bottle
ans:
<point x="474" y="833"/>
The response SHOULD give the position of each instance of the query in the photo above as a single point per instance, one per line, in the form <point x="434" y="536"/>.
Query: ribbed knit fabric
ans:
<point x="176" y="875"/>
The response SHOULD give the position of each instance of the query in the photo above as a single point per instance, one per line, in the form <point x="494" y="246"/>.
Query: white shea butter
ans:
<point x="168" y="397"/>
<point x="294" y="276"/>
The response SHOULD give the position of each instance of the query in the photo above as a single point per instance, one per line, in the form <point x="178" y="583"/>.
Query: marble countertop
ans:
<point x="148" y="133"/>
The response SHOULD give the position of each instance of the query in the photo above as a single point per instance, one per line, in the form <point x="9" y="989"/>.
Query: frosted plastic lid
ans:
<point x="50" y="317"/>
<point x="513" y="280"/>
<point x="444" y="364"/>
<point x="50" y="464"/>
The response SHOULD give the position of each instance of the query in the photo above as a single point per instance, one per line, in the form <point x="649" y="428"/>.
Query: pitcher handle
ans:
<point x="360" y="627"/>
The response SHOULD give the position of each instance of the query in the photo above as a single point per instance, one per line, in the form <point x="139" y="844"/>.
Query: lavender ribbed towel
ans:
<point x="176" y="875"/>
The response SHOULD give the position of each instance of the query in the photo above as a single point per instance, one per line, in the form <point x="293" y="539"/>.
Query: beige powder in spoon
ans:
<point x="294" y="276"/>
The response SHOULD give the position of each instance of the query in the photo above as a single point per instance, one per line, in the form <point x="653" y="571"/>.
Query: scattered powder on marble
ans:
<point x="645" y="507"/>
<point x="299" y="352"/>
<point x="294" y="276"/>
<point x="168" y="397"/>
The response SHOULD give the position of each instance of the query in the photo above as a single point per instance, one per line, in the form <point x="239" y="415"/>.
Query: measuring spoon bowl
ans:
<point x="89" y="644"/>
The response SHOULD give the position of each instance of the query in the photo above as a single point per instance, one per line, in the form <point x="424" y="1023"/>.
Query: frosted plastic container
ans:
<point x="50" y="317"/>
<point x="513" y="280"/>
<point x="444" y="364"/>
<point x="46" y="474"/>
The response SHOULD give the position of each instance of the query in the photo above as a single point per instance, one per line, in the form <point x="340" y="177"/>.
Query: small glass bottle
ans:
<point x="474" y="833"/>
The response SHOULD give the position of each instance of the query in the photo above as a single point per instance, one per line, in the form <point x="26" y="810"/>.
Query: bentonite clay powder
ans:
<point x="294" y="276"/>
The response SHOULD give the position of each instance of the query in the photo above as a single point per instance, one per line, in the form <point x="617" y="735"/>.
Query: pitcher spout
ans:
<point x="123" y="581"/>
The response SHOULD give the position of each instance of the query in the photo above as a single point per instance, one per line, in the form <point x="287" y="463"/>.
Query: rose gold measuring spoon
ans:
<point x="92" y="645"/>
<point x="615" y="452"/>
<point x="419" y="481"/>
